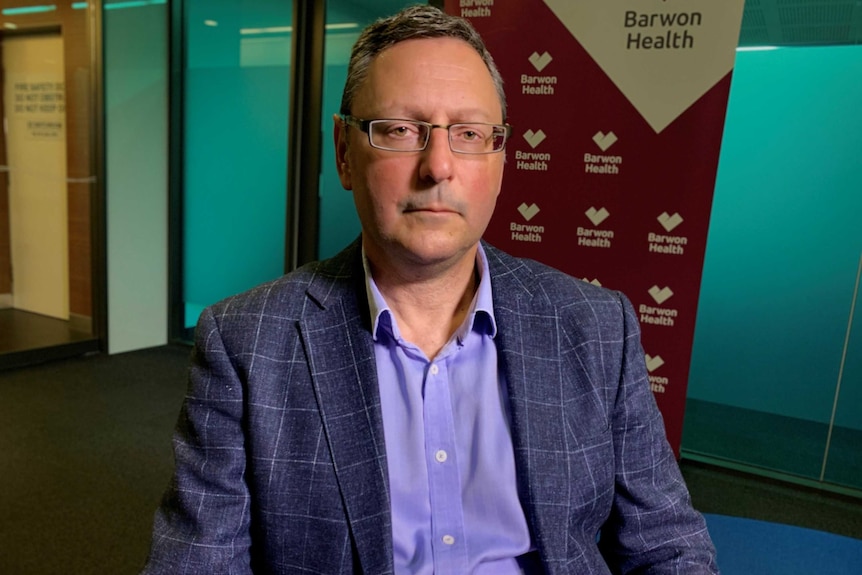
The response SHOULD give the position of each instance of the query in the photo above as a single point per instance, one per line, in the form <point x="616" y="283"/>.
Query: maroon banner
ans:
<point x="618" y="113"/>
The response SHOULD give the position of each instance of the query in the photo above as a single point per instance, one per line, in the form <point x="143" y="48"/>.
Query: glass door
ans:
<point x="49" y="190"/>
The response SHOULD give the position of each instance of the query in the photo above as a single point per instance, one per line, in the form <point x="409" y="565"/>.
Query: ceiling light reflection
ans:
<point x="28" y="10"/>
<point x="756" y="48"/>
<point x="289" y="29"/>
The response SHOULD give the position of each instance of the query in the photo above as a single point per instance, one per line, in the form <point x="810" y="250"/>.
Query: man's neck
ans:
<point x="429" y="304"/>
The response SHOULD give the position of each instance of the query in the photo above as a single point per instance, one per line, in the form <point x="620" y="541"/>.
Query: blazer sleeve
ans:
<point x="652" y="527"/>
<point x="202" y="525"/>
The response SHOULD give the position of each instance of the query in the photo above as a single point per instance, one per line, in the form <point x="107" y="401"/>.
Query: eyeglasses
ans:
<point x="413" y="135"/>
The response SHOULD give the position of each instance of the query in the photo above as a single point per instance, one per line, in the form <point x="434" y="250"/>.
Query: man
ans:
<point x="424" y="403"/>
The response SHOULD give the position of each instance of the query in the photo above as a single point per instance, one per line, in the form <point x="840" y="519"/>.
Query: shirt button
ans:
<point x="448" y="540"/>
<point x="434" y="369"/>
<point x="441" y="456"/>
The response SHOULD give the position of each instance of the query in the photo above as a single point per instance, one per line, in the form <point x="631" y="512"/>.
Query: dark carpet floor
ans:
<point x="85" y="454"/>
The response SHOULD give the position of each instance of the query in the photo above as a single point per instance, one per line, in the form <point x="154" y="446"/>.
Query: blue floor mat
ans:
<point x="751" y="547"/>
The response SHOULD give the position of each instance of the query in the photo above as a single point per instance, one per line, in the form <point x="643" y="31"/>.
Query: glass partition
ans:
<point x="773" y="367"/>
<point x="236" y="78"/>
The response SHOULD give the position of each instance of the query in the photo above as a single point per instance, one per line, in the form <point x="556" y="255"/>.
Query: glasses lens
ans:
<point x="477" y="138"/>
<point x="500" y="135"/>
<point x="410" y="136"/>
<point x="399" y="135"/>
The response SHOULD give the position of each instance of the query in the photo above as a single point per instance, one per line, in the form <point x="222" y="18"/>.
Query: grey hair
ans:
<point x="415" y="22"/>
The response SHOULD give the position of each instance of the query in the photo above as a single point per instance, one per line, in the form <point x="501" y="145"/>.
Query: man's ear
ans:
<point x="339" y="134"/>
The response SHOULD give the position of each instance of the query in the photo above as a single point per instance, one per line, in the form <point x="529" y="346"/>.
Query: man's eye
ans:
<point x="469" y="134"/>
<point x="401" y="131"/>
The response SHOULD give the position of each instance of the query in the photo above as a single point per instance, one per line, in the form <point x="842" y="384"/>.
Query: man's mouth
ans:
<point x="431" y="209"/>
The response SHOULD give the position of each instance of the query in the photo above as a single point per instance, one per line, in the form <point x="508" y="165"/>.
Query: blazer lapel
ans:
<point x="529" y="350"/>
<point x="344" y="375"/>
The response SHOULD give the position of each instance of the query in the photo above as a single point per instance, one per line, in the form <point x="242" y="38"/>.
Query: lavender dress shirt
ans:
<point x="455" y="506"/>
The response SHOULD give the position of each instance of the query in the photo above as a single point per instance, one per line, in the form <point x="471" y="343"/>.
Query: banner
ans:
<point x="618" y="110"/>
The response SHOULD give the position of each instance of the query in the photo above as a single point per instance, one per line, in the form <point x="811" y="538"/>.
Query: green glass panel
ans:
<point x="781" y="261"/>
<point x="237" y="88"/>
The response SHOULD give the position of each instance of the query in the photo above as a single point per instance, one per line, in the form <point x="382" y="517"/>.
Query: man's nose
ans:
<point x="437" y="158"/>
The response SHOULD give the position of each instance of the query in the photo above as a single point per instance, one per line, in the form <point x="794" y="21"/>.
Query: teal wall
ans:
<point x="785" y="239"/>
<point x="136" y="141"/>
<point x="339" y="224"/>
<point x="237" y="94"/>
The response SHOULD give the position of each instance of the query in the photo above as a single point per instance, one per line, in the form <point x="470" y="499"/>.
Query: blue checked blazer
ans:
<point x="281" y="462"/>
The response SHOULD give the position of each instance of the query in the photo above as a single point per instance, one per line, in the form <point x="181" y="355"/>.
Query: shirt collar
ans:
<point x="482" y="305"/>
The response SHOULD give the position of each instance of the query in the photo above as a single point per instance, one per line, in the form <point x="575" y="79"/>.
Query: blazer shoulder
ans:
<point x="513" y="276"/>
<point x="289" y="296"/>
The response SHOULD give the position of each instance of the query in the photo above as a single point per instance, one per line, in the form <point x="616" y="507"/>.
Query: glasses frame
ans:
<point x="365" y="126"/>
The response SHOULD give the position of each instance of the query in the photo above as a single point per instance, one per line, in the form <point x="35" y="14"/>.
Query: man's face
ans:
<point x="428" y="207"/>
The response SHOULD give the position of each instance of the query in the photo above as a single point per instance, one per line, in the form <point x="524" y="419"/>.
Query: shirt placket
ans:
<point x="448" y="543"/>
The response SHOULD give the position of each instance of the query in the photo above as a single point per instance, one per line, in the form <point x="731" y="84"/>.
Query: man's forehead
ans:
<point x="450" y="64"/>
